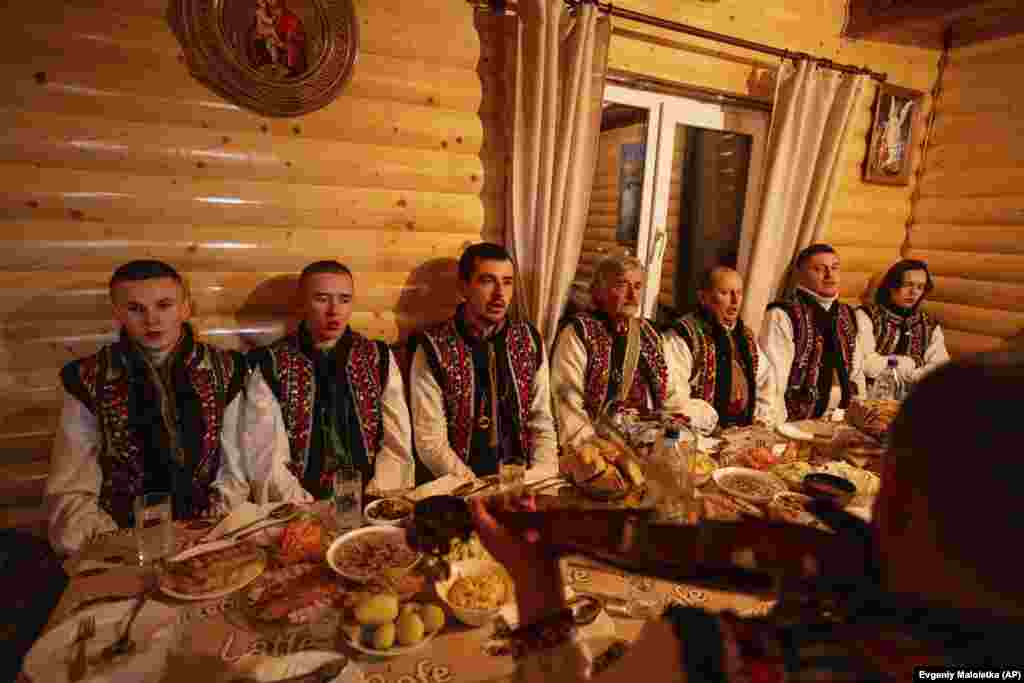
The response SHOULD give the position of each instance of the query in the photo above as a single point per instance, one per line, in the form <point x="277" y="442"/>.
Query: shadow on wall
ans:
<point x="268" y="312"/>
<point x="429" y="295"/>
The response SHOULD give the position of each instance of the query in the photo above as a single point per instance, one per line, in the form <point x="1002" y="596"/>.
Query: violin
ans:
<point x="753" y="556"/>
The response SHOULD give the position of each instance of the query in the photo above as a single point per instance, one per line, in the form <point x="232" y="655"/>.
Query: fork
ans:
<point x="79" y="665"/>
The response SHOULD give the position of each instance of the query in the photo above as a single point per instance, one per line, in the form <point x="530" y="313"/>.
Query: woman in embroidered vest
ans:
<point x="155" y="411"/>
<point x="718" y="357"/>
<point x="611" y="359"/>
<point x="811" y="341"/>
<point x="895" y="327"/>
<point x="333" y="398"/>
<point x="480" y="379"/>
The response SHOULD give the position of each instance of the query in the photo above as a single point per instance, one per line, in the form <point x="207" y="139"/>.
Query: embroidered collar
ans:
<point x="824" y="302"/>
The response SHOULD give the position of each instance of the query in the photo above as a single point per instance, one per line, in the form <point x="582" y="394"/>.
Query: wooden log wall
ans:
<point x="968" y="222"/>
<point x="111" y="151"/>
<point x="868" y="222"/>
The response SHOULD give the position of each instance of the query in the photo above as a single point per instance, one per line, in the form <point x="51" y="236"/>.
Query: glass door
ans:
<point x="677" y="185"/>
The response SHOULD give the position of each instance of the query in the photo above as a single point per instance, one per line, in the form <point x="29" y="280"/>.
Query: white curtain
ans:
<point x="810" y="121"/>
<point x="560" y="58"/>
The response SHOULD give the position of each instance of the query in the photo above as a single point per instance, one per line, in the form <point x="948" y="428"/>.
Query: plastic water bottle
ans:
<point x="671" y="466"/>
<point x="888" y="385"/>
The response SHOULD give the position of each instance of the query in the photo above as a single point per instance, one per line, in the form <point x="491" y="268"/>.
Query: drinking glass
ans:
<point x="154" y="526"/>
<point x="348" y="498"/>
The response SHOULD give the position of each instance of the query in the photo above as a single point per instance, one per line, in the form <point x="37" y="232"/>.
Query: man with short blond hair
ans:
<point x="331" y="397"/>
<point x="718" y="357"/>
<point x="612" y="360"/>
<point x="156" y="411"/>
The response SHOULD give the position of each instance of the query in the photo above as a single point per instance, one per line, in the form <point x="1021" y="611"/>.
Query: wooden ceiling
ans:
<point x="928" y="23"/>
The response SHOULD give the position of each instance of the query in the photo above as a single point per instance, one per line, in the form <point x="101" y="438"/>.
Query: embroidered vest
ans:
<point x="802" y="392"/>
<point x="291" y="374"/>
<point x="599" y="341"/>
<point x="711" y="376"/>
<point x="919" y="328"/>
<point x="451" y="361"/>
<point x="107" y="384"/>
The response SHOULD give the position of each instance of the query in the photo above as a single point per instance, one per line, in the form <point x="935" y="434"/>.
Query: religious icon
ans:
<point x="893" y="136"/>
<point x="276" y="43"/>
<point x="276" y="57"/>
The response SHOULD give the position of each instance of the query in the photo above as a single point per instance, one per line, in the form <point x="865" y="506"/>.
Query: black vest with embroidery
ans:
<point x="361" y="364"/>
<point x="808" y="387"/>
<point x="152" y="438"/>
<point x="898" y="335"/>
<point x="711" y="376"/>
<point x="450" y="355"/>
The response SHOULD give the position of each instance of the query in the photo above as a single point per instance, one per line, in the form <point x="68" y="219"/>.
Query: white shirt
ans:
<point x="682" y="358"/>
<point x="265" y="440"/>
<point x="874" y="363"/>
<point x="430" y="425"/>
<point x="778" y="345"/>
<point x="568" y="379"/>
<point x="73" y="485"/>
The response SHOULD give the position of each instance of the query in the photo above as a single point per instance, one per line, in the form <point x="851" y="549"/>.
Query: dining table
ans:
<point x="212" y="639"/>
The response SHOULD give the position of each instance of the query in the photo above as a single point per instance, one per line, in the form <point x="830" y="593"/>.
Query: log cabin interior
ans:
<point x="113" y="151"/>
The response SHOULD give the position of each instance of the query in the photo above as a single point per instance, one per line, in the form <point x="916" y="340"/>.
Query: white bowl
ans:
<point x="366" y="533"/>
<point x="468" y="615"/>
<point x="368" y="513"/>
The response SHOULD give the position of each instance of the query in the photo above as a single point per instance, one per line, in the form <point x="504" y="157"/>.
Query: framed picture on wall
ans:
<point x="631" y="186"/>
<point x="895" y="134"/>
<point x="275" y="57"/>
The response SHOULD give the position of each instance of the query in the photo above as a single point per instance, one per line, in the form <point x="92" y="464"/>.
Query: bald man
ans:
<point x="717" y="356"/>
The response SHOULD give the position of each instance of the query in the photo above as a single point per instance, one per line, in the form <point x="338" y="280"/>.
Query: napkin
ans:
<point x="240" y="516"/>
<point x="267" y="669"/>
<point x="438" y="487"/>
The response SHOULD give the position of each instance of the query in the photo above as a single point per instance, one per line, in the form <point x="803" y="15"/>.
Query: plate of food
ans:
<point x="791" y="507"/>
<point x="388" y="511"/>
<point x="51" y="655"/>
<point x="294" y="595"/>
<point x="374" y="551"/>
<point x="724" y="508"/>
<point x="379" y="624"/>
<point x="212" y="570"/>
<point x="793" y="473"/>
<point x="747" y="484"/>
<point x="602" y="470"/>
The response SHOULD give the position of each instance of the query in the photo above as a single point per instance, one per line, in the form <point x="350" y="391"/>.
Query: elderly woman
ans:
<point x="611" y="358"/>
<point x="895" y="327"/>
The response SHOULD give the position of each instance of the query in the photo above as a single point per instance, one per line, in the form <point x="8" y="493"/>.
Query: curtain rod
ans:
<point x="499" y="7"/>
